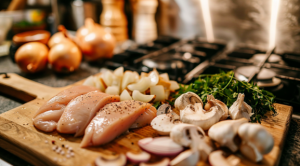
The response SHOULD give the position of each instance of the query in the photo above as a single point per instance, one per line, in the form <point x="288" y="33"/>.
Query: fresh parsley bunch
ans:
<point x="225" y="87"/>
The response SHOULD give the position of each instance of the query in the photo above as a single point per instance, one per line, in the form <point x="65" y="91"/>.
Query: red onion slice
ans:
<point x="138" y="158"/>
<point x="162" y="146"/>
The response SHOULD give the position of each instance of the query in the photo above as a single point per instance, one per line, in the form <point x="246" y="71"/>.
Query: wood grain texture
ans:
<point x="20" y="137"/>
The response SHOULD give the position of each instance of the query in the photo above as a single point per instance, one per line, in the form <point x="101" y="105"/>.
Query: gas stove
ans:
<point x="185" y="60"/>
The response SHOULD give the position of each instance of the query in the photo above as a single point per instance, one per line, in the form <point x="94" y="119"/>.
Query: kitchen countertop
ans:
<point x="290" y="153"/>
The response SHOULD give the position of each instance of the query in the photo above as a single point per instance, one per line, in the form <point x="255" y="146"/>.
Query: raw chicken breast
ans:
<point x="47" y="116"/>
<point x="144" y="119"/>
<point x="80" y="111"/>
<point x="112" y="120"/>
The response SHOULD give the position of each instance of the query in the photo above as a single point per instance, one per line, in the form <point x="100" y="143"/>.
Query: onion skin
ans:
<point x="32" y="57"/>
<point x="94" y="42"/>
<point x="65" y="57"/>
<point x="57" y="38"/>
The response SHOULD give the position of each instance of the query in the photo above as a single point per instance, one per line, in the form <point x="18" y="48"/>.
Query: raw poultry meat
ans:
<point x="112" y="120"/>
<point x="47" y="116"/>
<point x="81" y="110"/>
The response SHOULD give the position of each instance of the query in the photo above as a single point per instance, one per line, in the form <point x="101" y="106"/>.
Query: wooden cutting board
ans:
<point x="20" y="137"/>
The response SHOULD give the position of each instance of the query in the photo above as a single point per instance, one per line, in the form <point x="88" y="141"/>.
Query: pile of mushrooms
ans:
<point x="146" y="87"/>
<point x="186" y="129"/>
<point x="192" y="112"/>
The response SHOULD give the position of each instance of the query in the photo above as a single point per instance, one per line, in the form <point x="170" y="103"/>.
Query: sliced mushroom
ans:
<point x="218" y="158"/>
<point x="163" y="162"/>
<point x="188" y="157"/>
<point x="136" y="158"/>
<point x="116" y="160"/>
<point x="194" y="114"/>
<point x="165" y="109"/>
<point x="125" y="95"/>
<point x="205" y="147"/>
<point x="137" y="95"/>
<point x="163" y="123"/>
<point x="225" y="132"/>
<point x="142" y="85"/>
<point x="240" y="109"/>
<point x="256" y="141"/>
<point x="194" y="137"/>
<point x="185" y="99"/>
<point x="211" y="101"/>
<point x="183" y="134"/>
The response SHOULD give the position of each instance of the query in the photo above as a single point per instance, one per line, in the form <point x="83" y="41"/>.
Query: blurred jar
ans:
<point x="5" y="25"/>
<point x="82" y="10"/>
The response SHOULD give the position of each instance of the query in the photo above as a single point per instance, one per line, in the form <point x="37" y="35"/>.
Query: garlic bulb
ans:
<point x="240" y="109"/>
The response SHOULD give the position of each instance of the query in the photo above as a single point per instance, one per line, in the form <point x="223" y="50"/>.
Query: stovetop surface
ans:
<point x="183" y="58"/>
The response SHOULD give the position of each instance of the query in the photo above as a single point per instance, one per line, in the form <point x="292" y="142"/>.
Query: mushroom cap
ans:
<point x="258" y="136"/>
<point x="224" y="132"/>
<point x="194" y="114"/>
<point x="187" y="98"/>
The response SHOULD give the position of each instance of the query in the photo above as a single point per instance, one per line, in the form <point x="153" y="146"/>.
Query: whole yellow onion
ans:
<point x="65" y="57"/>
<point x="32" y="57"/>
<point x="94" y="42"/>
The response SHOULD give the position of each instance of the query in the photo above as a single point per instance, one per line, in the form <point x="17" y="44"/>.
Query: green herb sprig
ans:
<point x="225" y="87"/>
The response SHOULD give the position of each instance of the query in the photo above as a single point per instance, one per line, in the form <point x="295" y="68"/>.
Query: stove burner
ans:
<point x="274" y="58"/>
<point x="243" y="73"/>
<point x="274" y="82"/>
